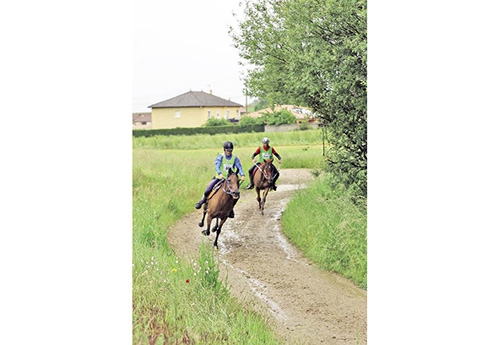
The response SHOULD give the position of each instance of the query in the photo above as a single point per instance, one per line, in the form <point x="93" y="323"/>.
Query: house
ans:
<point x="192" y="109"/>
<point x="141" y="121"/>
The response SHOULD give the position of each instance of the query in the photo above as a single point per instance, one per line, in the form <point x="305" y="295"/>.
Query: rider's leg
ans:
<point x="276" y="176"/>
<point x="250" y="174"/>
<point x="210" y="185"/>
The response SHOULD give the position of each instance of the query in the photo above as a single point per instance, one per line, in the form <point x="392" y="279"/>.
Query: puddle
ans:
<point x="259" y="290"/>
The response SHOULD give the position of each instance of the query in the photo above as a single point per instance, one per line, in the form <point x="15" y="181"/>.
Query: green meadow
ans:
<point x="176" y="300"/>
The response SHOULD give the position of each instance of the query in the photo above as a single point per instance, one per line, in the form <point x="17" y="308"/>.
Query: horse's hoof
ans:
<point x="214" y="229"/>
<point x="200" y="224"/>
<point x="205" y="232"/>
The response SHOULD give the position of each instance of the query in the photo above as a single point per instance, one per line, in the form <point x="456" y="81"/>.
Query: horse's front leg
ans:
<point x="258" y="198"/>
<point x="206" y="232"/>
<point x="264" y="196"/>
<point x="222" y="221"/>
<point x="200" y="224"/>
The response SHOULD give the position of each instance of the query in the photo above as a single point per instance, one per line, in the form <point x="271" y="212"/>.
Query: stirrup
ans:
<point x="250" y="186"/>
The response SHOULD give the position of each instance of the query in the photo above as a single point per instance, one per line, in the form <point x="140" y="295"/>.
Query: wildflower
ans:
<point x="174" y="270"/>
<point x="187" y="280"/>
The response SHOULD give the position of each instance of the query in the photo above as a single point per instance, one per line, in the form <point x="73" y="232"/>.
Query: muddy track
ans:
<point x="304" y="304"/>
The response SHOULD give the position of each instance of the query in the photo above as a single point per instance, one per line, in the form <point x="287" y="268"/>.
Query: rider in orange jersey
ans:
<point x="265" y="153"/>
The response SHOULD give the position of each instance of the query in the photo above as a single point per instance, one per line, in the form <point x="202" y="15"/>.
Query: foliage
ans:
<point x="279" y="117"/>
<point x="261" y="103"/>
<point x="251" y="121"/>
<point x="313" y="52"/>
<point x="217" y="123"/>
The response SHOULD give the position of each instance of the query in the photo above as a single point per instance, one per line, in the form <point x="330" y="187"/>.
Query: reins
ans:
<point x="264" y="174"/>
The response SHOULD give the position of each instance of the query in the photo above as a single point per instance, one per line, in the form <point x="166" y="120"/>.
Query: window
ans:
<point x="218" y="114"/>
<point x="177" y="114"/>
<point x="227" y="114"/>
<point x="210" y="114"/>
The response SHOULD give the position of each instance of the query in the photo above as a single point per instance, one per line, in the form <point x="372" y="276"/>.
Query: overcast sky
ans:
<point x="184" y="45"/>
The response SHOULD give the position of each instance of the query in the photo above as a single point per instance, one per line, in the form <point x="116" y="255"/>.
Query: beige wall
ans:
<point x="139" y="125"/>
<point x="189" y="117"/>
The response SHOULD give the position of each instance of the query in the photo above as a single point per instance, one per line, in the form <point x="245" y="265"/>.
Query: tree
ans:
<point x="313" y="53"/>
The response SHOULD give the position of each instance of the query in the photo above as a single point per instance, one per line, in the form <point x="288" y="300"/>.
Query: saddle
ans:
<point x="215" y="188"/>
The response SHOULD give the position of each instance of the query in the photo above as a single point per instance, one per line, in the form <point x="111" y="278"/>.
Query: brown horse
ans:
<point x="220" y="203"/>
<point x="263" y="180"/>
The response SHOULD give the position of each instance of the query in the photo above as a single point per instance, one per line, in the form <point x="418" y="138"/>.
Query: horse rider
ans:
<point x="265" y="153"/>
<point x="225" y="161"/>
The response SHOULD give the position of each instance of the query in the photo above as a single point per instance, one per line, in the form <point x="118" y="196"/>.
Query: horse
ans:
<point x="263" y="180"/>
<point x="219" y="203"/>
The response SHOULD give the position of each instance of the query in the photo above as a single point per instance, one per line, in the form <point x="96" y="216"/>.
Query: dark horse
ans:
<point x="263" y="180"/>
<point x="220" y="203"/>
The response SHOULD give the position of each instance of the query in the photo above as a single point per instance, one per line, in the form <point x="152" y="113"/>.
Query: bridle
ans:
<point x="226" y="187"/>
<point x="267" y="172"/>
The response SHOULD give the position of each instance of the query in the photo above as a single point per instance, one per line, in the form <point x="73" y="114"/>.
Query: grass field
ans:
<point x="175" y="300"/>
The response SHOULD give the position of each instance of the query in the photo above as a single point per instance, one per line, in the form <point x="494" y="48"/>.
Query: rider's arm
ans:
<point x="238" y="165"/>
<point x="276" y="154"/>
<point x="257" y="152"/>
<point x="218" y="162"/>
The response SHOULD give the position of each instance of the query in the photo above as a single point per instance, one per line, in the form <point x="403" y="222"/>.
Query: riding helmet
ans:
<point x="265" y="141"/>
<point x="228" y="145"/>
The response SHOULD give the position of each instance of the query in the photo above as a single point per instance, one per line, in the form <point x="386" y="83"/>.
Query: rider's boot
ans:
<point x="250" y="186"/>
<point x="201" y="202"/>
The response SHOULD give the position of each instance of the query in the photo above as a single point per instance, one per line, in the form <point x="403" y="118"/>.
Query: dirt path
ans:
<point x="305" y="304"/>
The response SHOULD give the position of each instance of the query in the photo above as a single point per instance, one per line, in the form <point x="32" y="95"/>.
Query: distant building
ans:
<point x="141" y="121"/>
<point x="192" y="109"/>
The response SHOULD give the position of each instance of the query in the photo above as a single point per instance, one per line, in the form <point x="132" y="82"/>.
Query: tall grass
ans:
<point x="205" y="141"/>
<point x="181" y="301"/>
<point x="330" y="229"/>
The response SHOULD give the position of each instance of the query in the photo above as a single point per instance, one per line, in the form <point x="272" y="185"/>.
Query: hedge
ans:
<point x="198" y="130"/>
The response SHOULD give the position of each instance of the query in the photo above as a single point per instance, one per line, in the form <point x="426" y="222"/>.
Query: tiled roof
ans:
<point x="195" y="99"/>
<point x="141" y="117"/>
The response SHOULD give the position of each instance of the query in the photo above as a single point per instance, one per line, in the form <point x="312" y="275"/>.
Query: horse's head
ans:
<point x="232" y="185"/>
<point x="267" y="169"/>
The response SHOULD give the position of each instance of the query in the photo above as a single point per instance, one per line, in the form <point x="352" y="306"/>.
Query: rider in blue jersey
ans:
<point x="224" y="161"/>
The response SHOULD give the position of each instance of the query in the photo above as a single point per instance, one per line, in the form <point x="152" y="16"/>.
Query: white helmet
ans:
<point x="265" y="141"/>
